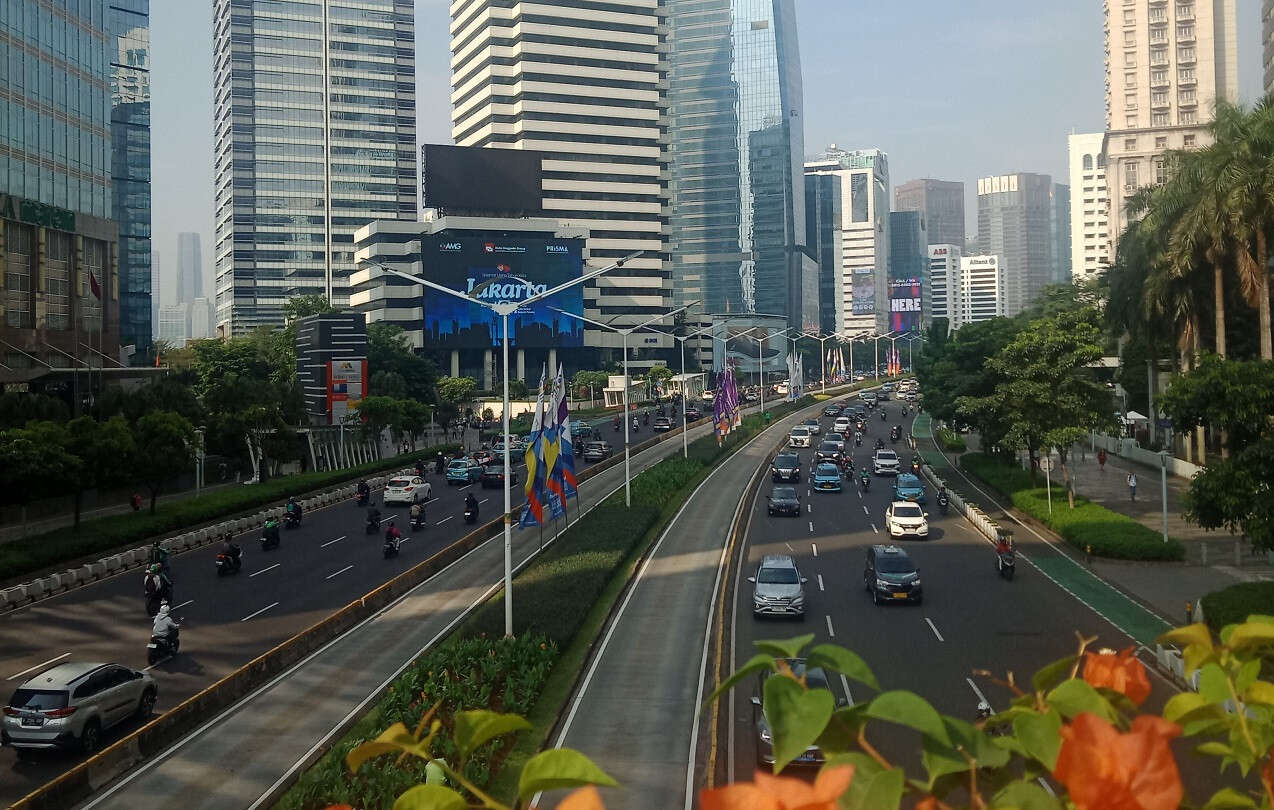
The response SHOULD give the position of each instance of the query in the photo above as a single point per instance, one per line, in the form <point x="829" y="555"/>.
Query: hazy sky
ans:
<point x="953" y="89"/>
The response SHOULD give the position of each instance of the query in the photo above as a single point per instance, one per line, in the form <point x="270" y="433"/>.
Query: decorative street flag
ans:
<point x="550" y="449"/>
<point x="721" y="416"/>
<point x="565" y="469"/>
<point x="536" y="493"/>
<point x="94" y="287"/>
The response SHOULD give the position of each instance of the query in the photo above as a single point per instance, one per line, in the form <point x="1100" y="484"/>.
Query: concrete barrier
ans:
<point x="12" y="597"/>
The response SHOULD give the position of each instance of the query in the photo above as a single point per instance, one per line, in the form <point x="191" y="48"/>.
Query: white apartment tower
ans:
<point x="1167" y="62"/>
<point x="1090" y="206"/>
<point x="863" y="304"/>
<point x="314" y="137"/>
<point x="581" y="82"/>
<point x="981" y="294"/>
<point x="944" y="281"/>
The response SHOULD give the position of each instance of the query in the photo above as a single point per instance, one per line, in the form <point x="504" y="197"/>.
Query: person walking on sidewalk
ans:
<point x="1132" y="486"/>
<point x="1101" y="459"/>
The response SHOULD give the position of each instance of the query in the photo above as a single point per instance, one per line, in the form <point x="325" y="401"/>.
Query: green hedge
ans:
<point x="950" y="440"/>
<point x="1110" y="534"/>
<point x="1235" y="603"/>
<point x="103" y="535"/>
<point x="463" y="674"/>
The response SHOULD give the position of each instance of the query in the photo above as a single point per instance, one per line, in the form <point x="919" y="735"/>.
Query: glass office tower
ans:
<point x="128" y="48"/>
<point x="315" y="136"/>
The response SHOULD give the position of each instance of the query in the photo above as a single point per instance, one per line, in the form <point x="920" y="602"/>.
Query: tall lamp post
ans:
<point x="822" y="353"/>
<point x="504" y="309"/>
<point x="624" y="333"/>
<point x="760" y="357"/>
<point x="911" y="344"/>
<point x="685" y="443"/>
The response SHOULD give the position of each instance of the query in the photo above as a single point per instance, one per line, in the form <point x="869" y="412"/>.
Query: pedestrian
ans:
<point x="1132" y="486"/>
<point x="1101" y="459"/>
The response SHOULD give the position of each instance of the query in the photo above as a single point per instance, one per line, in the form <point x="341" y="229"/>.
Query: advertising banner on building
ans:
<point x="742" y="352"/>
<point x="490" y="269"/>
<point x="864" y="281"/>
<point x="905" y="305"/>
<point x="346" y="384"/>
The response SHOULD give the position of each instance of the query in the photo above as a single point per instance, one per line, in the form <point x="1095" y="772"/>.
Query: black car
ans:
<point x="786" y="467"/>
<point x="493" y="476"/>
<point x="889" y="575"/>
<point x="830" y="452"/>
<point x="784" y="501"/>
<point x="693" y="414"/>
<point x="662" y="424"/>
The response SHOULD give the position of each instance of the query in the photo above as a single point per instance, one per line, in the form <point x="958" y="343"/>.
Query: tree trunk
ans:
<point x="154" y="495"/>
<point x="1218" y="290"/>
<point x="1063" y="455"/>
<point x="1030" y="453"/>
<point x="1263" y="305"/>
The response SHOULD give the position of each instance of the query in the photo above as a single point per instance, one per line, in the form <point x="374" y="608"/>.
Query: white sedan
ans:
<point x="408" y="489"/>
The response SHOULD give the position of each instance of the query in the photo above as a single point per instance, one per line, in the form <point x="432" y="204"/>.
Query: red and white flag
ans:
<point x="93" y="285"/>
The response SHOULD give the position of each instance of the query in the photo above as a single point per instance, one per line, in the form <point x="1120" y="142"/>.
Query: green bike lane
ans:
<point x="1043" y="551"/>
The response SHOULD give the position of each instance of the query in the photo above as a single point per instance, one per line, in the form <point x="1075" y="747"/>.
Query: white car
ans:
<point x="407" y="489"/>
<point x="906" y="519"/>
<point x="799" y="437"/>
<point x="885" y="462"/>
<point x="842" y="426"/>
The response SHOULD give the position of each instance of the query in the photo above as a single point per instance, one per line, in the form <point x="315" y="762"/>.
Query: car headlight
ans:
<point x="915" y="583"/>
<point x="800" y="600"/>
<point x="765" y="735"/>
<point x="880" y="583"/>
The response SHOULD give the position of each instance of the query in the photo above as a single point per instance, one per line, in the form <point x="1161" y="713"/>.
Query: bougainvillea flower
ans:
<point x="1104" y="769"/>
<point x="586" y="798"/>
<point x="1121" y="672"/>
<point x="770" y="792"/>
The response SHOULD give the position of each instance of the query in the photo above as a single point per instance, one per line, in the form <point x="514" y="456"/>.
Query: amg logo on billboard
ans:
<point x="450" y="246"/>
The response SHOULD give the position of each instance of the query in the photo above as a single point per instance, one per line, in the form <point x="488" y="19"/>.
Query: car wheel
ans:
<point x="90" y="737"/>
<point x="25" y="754"/>
<point x="875" y="596"/>
<point x="146" y="706"/>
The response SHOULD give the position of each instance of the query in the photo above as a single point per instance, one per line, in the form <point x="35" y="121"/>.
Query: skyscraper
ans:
<point x="1090" y="206"/>
<point x="981" y="291"/>
<point x="1166" y="65"/>
<point x="736" y="194"/>
<point x="189" y="268"/>
<point x="823" y="236"/>
<point x="942" y="202"/>
<point x="865" y="200"/>
<point x="944" y="282"/>
<point x="1015" y="223"/>
<point x="584" y="88"/>
<point x="1060" y="226"/>
<point x="315" y="136"/>
<point x="910" y="300"/>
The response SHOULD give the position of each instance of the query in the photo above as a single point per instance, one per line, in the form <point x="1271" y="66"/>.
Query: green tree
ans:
<point x="377" y="414"/>
<point x="956" y="367"/>
<point x="16" y="409"/>
<point x="107" y="454"/>
<point x="411" y="419"/>
<point x="660" y="374"/>
<point x="457" y="390"/>
<point x="518" y="389"/>
<point x="34" y="464"/>
<point x="303" y="306"/>
<point x="589" y="383"/>
<point x="387" y="384"/>
<point x="389" y="350"/>
<point x="165" y="443"/>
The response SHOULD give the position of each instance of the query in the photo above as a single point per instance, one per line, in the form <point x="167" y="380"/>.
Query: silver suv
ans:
<point x="885" y="462"/>
<point x="778" y="587"/>
<point x="71" y="705"/>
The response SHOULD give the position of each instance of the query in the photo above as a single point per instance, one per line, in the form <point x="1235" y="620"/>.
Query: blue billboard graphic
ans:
<point x="492" y="269"/>
<point x="905" y="305"/>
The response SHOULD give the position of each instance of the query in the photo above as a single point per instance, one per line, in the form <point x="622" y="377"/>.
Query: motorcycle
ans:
<point x="470" y="514"/>
<point x="865" y="480"/>
<point x="361" y="498"/>
<point x="943" y="503"/>
<point x="291" y="520"/>
<point x="392" y="544"/>
<point x="1006" y="563"/>
<point x="418" y="522"/>
<point x="373" y="524"/>
<point x="161" y="647"/>
<point x="228" y="563"/>
<point x="915" y="469"/>
<point x="883" y="417"/>
<point x="617" y="425"/>
<point x="270" y="540"/>
<point x="858" y="441"/>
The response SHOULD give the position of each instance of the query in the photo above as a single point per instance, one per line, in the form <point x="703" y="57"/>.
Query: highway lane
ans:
<point x="227" y="621"/>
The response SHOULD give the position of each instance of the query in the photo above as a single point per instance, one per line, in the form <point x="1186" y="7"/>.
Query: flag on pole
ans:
<point x="536" y="493"/>
<point x="551" y="448"/>
<point x="721" y="412"/>
<point x="94" y="286"/>
<point x="566" y="444"/>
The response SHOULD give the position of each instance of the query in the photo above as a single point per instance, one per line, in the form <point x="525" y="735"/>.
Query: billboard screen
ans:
<point x="864" y="282"/>
<point x="905" y="305"/>
<point x="346" y="384"/>
<point x="741" y="349"/>
<point x="467" y="263"/>
<point x="460" y="178"/>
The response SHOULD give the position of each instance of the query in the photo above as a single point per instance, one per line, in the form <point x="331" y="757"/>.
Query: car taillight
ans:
<point x="407" y="489"/>
<point x="9" y="711"/>
<point x="57" y="714"/>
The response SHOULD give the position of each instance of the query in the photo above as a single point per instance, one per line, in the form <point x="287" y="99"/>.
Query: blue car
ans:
<point x="465" y="471"/>
<point x="909" y="488"/>
<point x="826" y="478"/>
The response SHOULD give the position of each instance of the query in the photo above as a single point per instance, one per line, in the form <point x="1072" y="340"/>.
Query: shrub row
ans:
<point x="1108" y="533"/>
<point x="1235" y="603"/>
<point x="101" y="535"/>
<point x="950" y="440"/>
<point x="501" y="674"/>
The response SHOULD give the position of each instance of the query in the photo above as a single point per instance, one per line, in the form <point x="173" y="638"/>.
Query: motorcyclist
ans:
<point x="884" y="417"/>
<point x="164" y="626"/>
<point x="373" y="517"/>
<point x="159" y="556"/>
<point x="229" y="548"/>
<point x="880" y="443"/>
<point x="417" y="514"/>
<point x="646" y="417"/>
<point x="271" y="530"/>
<point x="636" y="426"/>
<point x="471" y="503"/>
<point x="1003" y="546"/>
<point x="438" y="465"/>
<point x="158" y="588"/>
<point x="943" y="499"/>
<point x="364" y="491"/>
<point x="392" y="535"/>
<point x="858" y="439"/>
<point x="616" y="424"/>
<point x="294" y="509"/>
<point x="864" y="478"/>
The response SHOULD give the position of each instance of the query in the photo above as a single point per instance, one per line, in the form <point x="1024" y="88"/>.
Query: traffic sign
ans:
<point x="1047" y="464"/>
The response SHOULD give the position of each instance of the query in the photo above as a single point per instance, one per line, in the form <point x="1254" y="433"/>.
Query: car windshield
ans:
<point x="800" y="431"/>
<point x="787" y="462"/>
<point x="886" y="455"/>
<point x="894" y="565"/>
<point x="38" y="699"/>
<point x="495" y="469"/>
<point x="398" y="483"/>
<point x="828" y="469"/>
<point x="458" y="465"/>
<point x="778" y="576"/>
<point x="828" y="447"/>
<point x="784" y="494"/>
<point x="815" y="678"/>
<point x="908" y="481"/>
<point x="908" y="511"/>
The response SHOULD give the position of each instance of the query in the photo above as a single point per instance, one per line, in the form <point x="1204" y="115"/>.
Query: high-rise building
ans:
<point x="1090" y="206"/>
<point x="735" y="133"/>
<point x="1061" y="233"/>
<point x="1015" y="223"/>
<point x="585" y="89"/>
<point x="944" y="282"/>
<point x="1167" y="63"/>
<point x="315" y="136"/>
<point x="128" y="48"/>
<point x="1267" y="37"/>
<point x="174" y="323"/>
<point x="823" y="236"/>
<point x="155" y="292"/>
<point x="58" y="241"/>
<point x="189" y="268"/>
<point x="982" y="291"/>
<point x="865" y="201"/>
<point x="200" y="319"/>
<point x="941" y="201"/>
<point x="910" y="304"/>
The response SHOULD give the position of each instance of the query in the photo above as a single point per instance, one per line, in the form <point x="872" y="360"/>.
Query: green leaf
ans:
<point x="883" y="791"/>
<point x="394" y="740"/>
<point x="911" y="710"/>
<point x="755" y="664"/>
<point x="1260" y="692"/>
<point x="1053" y="674"/>
<point x="559" y="768"/>
<point x="941" y="760"/>
<point x="834" y="658"/>
<point x="1191" y="634"/>
<point x="475" y="728"/>
<point x="1215" y="749"/>
<point x="1178" y="706"/>
<point x="787" y="648"/>
<point x="842" y="730"/>
<point x="1228" y="799"/>
<point x="796" y="716"/>
<point x="434" y="773"/>
<point x="1075" y="697"/>
<point x="865" y="770"/>
<point x="1251" y="634"/>
<point x="1214" y="686"/>
<point x="1195" y="657"/>
<point x="1024" y="796"/>
<point x="430" y="797"/>
<point x="1040" y="735"/>
<point x="1247" y="675"/>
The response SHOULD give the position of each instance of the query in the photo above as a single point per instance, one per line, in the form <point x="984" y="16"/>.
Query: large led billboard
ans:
<point x="905" y="305"/>
<point x="864" y="281"/>
<point x="463" y="179"/>
<point x="490" y="269"/>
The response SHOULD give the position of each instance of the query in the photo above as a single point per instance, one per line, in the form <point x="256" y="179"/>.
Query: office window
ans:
<point x="1158" y="77"/>
<point x="1130" y="174"/>
<point x="1158" y="98"/>
<point x="1161" y="171"/>
<point x="1185" y="31"/>
<point x="1130" y="121"/>
<point x="57" y="280"/>
<point x="1188" y="117"/>
<point x="1161" y="142"/>
<point x="1088" y="163"/>
<point x="1130" y="144"/>
<point x="1185" y="54"/>
<point x="1190" y="141"/>
<point x="1130" y="16"/>
<point x="1159" y="120"/>
<point x="1130" y="58"/>
<point x="19" y="246"/>
<point x="1188" y="97"/>
<point x="1130" y="37"/>
<point x="1185" y="75"/>
<point x="1130" y="101"/>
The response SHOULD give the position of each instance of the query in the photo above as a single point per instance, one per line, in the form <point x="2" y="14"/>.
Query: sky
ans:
<point x="954" y="90"/>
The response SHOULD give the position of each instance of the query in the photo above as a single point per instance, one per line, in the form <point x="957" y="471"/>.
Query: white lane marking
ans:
<point x="388" y="518"/>
<point x="444" y="520"/>
<point x="484" y="500"/>
<point x="183" y="604"/>
<point x="815" y="547"/>
<point x="977" y="691"/>
<point x="865" y="512"/>
<point x="263" y="570"/>
<point x="259" y="612"/>
<point x="934" y="628"/>
<point x="830" y="631"/>
<point x="809" y="507"/>
<point x="343" y="570"/>
<point x="812" y="529"/>
<point x="874" y="529"/>
<point x="844" y="682"/>
<point x="820" y="582"/>
<point x="330" y="542"/>
<point x="789" y="547"/>
<point x="37" y="666"/>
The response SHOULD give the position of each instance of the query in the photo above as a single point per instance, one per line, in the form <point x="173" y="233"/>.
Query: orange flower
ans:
<point x="927" y="803"/>
<point x="770" y="792"/>
<point x="586" y="798"/>
<point x="1102" y="768"/>
<point x="1121" y="672"/>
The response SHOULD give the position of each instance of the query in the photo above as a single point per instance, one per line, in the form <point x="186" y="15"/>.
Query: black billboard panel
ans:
<point x="468" y="179"/>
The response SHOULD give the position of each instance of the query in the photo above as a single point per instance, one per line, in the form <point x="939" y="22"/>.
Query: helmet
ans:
<point x="984" y="708"/>
<point x="155" y="568"/>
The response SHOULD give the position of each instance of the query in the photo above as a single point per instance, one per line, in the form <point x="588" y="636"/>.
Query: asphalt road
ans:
<point x="227" y="621"/>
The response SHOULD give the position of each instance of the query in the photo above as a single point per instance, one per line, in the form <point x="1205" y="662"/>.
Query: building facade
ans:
<point x="865" y="205"/>
<point x="1090" y="206"/>
<point x="1267" y="40"/>
<point x="1166" y="65"/>
<point x="1015" y="222"/>
<point x="981" y="293"/>
<point x="910" y="307"/>
<point x="1060" y="225"/>
<point x="315" y="136"/>
<point x="59" y="247"/>
<point x="189" y="268"/>
<point x="174" y="324"/>
<point x="941" y="201"/>
<point x="584" y="87"/>
<point x="823" y="212"/>
<point x="944" y="282"/>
